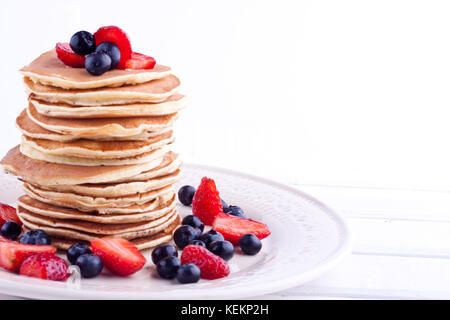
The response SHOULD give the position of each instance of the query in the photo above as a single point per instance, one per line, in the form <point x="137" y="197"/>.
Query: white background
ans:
<point x="312" y="92"/>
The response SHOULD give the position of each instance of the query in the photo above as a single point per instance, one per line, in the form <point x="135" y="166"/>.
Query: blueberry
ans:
<point x="186" y="194"/>
<point x="82" y="43"/>
<point x="188" y="273"/>
<point x="112" y="50"/>
<point x="185" y="234"/>
<point x="234" y="211"/>
<point x="35" y="237"/>
<point x="90" y="265"/>
<point x="167" y="268"/>
<point x="10" y="230"/>
<point x="224" y="204"/>
<point x="250" y="244"/>
<point x="163" y="251"/>
<point x="198" y="243"/>
<point x="210" y="237"/>
<point x="194" y="222"/>
<point x="97" y="63"/>
<point x="76" y="250"/>
<point x="223" y="249"/>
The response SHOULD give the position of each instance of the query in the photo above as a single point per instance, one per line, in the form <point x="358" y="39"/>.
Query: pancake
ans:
<point x="61" y="159"/>
<point x="52" y="174"/>
<point x="120" y="189"/>
<point x="106" y="127"/>
<point x="26" y="203"/>
<point x="141" y="243"/>
<point x="98" y="149"/>
<point x="131" y="208"/>
<point x="170" y="164"/>
<point x="89" y="204"/>
<point x="71" y="233"/>
<point x="173" y="104"/>
<point x="33" y="130"/>
<point x="49" y="70"/>
<point x="153" y="91"/>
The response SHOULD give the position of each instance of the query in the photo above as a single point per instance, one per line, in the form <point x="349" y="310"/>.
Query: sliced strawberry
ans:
<point x="119" y="37"/>
<point x="45" y="266"/>
<point x="233" y="228"/>
<point x="12" y="253"/>
<point x="118" y="255"/>
<point x="140" y="61"/>
<point x="211" y="266"/>
<point x="67" y="56"/>
<point x="8" y="213"/>
<point x="206" y="204"/>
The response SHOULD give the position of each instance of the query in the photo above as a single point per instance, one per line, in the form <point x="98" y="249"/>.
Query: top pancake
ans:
<point x="47" y="69"/>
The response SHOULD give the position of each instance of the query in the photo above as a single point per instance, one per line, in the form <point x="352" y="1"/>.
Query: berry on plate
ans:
<point x="97" y="63"/>
<point x="206" y="203"/>
<point x="198" y="243"/>
<point x="45" y="266"/>
<point x="211" y="236"/>
<point x="223" y="249"/>
<point x="211" y="266"/>
<point x="194" y="222"/>
<point x="233" y="228"/>
<point x="163" y="251"/>
<point x="90" y="265"/>
<point x="167" y="268"/>
<point x="82" y="43"/>
<point x="250" y="244"/>
<point x="67" y="56"/>
<point x="186" y="194"/>
<point x="139" y="61"/>
<point x="188" y="273"/>
<point x="112" y="50"/>
<point x="8" y="213"/>
<point x="120" y="38"/>
<point x="76" y="250"/>
<point x="36" y="236"/>
<point x="10" y="230"/>
<point x="185" y="234"/>
<point x="234" y="211"/>
<point x="12" y="253"/>
<point x="119" y="256"/>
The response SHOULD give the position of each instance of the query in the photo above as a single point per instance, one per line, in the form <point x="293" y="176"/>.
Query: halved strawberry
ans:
<point x="119" y="37"/>
<point x="233" y="228"/>
<point x="12" y="253"/>
<point x="140" y="61"/>
<point x="118" y="255"/>
<point x="67" y="56"/>
<point x="206" y="204"/>
<point x="8" y="213"/>
<point x="45" y="266"/>
<point x="211" y="266"/>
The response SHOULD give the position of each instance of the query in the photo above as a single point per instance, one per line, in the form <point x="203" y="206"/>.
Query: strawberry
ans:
<point x="119" y="37"/>
<point x="12" y="253"/>
<point x="206" y="204"/>
<point x="118" y="255"/>
<point x="67" y="56"/>
<point x="211" y="266"/>
<point x="8" y="213"/>
<point x="233" y="228"/>
<point x="45" y="266"/>
<point x="140" y="61"/>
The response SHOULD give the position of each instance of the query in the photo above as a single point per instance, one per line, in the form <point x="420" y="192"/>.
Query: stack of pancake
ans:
<point x="94" y="156"/>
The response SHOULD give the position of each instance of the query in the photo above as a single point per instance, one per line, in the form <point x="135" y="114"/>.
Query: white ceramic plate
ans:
<point x="307" y="240"/>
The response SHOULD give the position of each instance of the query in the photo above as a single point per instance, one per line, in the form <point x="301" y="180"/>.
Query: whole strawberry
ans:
<point x="211" y="266"/>
<point x="206" y="204"/>
<point x="45" y="266"/>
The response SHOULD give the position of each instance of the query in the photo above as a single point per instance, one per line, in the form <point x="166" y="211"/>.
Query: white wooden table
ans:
<point x="401" y="246"/>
